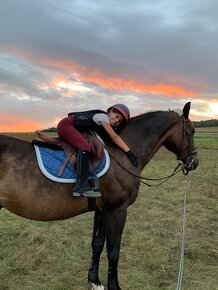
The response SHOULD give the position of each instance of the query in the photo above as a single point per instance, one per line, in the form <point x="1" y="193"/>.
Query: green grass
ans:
<point x="56" y="255"/>
<point x="206" y="138"/>
<point x="208" y="142"/>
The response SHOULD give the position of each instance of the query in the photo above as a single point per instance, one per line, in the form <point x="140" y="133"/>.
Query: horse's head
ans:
<point x="181" y="141"/>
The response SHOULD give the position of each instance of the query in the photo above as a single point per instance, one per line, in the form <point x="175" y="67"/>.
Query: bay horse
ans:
<point x="25" y="191"/>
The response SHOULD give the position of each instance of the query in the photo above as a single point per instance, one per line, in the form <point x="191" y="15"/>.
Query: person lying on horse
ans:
<point x="110" y="122"/>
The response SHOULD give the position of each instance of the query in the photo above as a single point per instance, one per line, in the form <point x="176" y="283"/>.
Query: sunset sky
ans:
<point x="72" y="55"/>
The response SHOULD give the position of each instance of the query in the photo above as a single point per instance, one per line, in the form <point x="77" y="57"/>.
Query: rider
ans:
<point x="70" y="127"/>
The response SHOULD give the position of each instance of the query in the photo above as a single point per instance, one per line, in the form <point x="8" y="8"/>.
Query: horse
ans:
<point x="25" y="191"/>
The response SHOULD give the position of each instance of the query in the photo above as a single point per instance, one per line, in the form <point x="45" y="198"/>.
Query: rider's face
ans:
<point x="115" y="118"/>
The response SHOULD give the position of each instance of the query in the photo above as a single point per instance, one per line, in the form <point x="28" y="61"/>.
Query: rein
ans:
<point x="164" y="179"/>
<point x="182" y="255"/>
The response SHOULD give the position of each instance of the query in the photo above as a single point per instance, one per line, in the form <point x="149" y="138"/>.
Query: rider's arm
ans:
<point x="116" y="138"/>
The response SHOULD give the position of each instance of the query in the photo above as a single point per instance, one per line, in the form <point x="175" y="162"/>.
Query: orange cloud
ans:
<point x="119" y="84"/>
<point x="110" y="82"/>
<point x="14" y="123"/>
<point x="83" y="73"/>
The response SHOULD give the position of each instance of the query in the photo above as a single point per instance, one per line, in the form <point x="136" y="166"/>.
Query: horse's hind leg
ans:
<point x="114" y="224"/>
<point x="98" y="240"/>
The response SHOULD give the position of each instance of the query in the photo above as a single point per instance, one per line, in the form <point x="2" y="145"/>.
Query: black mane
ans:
<point x="148" y="115"/>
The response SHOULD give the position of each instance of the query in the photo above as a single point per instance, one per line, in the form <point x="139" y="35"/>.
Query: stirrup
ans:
<point x="77" y="194"/>
<point x="89" y="192"/>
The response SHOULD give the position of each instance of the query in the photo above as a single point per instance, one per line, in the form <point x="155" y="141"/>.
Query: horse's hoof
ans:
<point x="96" y="287"/>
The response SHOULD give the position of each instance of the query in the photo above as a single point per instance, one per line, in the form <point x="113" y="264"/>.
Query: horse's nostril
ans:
<point x="194" y="164"/>
<point x="191" y="163"/>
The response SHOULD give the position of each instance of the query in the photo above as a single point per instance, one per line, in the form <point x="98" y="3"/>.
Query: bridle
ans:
<point x="189" y="163"/>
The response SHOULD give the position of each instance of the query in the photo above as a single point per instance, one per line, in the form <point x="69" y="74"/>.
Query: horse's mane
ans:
<point x="148" y="115"/>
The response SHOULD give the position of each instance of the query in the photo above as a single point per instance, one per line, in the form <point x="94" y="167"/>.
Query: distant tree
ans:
<point x="52" y="129"/>
<point x="206" y="123"/>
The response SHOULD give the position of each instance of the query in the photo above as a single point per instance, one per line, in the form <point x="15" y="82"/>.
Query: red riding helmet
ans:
<point x="122" y="109"/>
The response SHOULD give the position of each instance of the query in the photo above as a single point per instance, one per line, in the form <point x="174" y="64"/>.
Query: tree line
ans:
<point x="206" y="123"/>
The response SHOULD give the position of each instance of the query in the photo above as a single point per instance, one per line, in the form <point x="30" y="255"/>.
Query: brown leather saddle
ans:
<point x="97" y="148"/>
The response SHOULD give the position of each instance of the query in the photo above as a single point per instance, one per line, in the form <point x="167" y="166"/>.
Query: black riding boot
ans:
<point x="82" y="187"/>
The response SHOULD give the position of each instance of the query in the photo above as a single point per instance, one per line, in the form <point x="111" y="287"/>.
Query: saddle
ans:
<point x="57" y="143"/>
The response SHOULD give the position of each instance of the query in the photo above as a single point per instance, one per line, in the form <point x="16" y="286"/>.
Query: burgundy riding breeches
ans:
<point x="67" y="131"/>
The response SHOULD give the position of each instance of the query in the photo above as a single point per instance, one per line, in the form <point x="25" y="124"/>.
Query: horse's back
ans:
<point x="25" y="191"/>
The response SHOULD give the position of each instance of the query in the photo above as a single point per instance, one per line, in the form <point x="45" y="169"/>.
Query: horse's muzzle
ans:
<point x="190" y="164"/>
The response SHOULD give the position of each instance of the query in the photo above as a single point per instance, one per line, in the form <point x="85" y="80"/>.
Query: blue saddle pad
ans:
<point x="51" y="160"/>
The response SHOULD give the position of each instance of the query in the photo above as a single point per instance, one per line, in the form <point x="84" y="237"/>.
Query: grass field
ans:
<point x="56" y="255"/>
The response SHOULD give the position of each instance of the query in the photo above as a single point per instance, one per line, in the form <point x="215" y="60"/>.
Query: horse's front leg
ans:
<point x="114" y="222"/>
<point x="98" y="240"/>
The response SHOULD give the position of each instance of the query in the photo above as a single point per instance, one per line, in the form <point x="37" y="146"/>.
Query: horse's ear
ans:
<point x="186" y="110"/>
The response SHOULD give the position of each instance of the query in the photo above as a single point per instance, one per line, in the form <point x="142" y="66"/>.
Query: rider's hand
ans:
<point x="132" y="158"/>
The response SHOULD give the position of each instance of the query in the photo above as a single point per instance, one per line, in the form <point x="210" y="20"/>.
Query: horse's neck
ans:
<point x="146" y="136"/>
